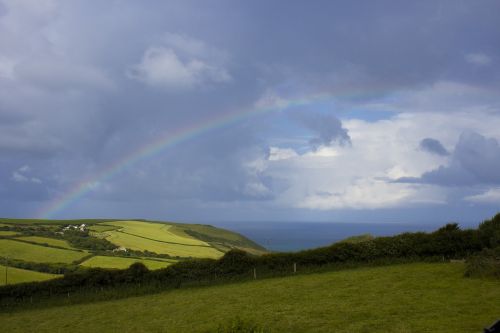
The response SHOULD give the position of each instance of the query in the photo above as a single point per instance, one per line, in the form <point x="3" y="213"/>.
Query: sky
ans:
<point x="333" y="111"/>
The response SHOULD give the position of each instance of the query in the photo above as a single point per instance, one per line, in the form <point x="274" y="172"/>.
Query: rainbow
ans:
<point x="173" y="138"/>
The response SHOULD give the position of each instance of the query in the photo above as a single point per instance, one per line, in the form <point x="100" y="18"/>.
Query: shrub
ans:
<point x="489" y="232"/>
<point x="484" y="264"/>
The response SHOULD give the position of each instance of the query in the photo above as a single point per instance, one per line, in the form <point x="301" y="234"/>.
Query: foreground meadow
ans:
<point x="402" y="298"/>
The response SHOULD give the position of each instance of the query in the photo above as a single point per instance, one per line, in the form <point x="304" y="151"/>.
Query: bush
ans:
<point x="484" y="264"/>
<point x="489" y="232"/>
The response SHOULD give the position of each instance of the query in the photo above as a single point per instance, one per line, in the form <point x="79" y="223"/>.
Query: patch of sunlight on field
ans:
<point x="46" y="240"/>
<point x="411" y="298"/>
<point x="17" y="275"/>
<point x="121" y="263"/>
<point x="156" y="231"/>
<point x="141" y="244"/>
<point x="37" y="253"/>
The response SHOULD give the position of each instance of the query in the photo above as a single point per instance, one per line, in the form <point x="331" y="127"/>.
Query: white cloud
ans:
<point x="323" y="151"/>
<point x="361" y="176"/>
<point x="20" y="175"/>
<point x="16" y="176"/>
<point x="367" y="194"/>
<point x="490" y="196"/>
<point x="479" y="59"/>
<point x="270" y="100"/>
<point x="180" y="63"/>
<point x="277" y="154"/>
<point x="36" y="180"/>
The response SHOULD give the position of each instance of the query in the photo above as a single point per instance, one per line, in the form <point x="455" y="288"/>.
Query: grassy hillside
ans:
<point x="122" y="263"/>
<point x="29" y="243"/>
<point x="189" y="234"/>
<point x="403" y="298"/>
<point x="17" y="275"/>
<point x="159" y="238"/>
<point x="46" y="240"/>
<point x="35" y="253"/>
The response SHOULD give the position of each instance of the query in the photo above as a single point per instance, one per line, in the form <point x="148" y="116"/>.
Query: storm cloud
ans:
<point x="433" y="146"/>
<point x="84" y="85"/>
<point x="474" y="161"/>
<point x="326" y="128"/>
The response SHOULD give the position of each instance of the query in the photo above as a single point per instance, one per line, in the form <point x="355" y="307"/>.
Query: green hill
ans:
<point x="357" y="239"/>
<point x="58" y="246"/>
<point x="415" y="297"/>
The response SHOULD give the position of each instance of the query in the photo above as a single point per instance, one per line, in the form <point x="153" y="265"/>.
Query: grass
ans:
<point x="37" y="253"/>
<point x="401" y="298"/>
<point x="121" y="263"/>
<point x="8" y="233"/>
<point x="102" y="227"/>
<point x="155" y="231"/>
<point x="17" y="275"/>
<point x="141" y="244"/>
<point x="157" y="238"/>
<point x="46" y="240"/>
<point x="223" y="239"/>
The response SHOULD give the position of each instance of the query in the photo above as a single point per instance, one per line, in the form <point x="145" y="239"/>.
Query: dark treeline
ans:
<point x="446" y="243"/>
<point x="83" y="240"/>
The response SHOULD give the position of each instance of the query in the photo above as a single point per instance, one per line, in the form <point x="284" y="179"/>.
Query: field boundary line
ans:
<point x="44" y="244"/>
<point x="156" y="240"/>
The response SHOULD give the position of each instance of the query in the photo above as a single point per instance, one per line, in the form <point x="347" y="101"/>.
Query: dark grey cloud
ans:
<point x="433" y="146"/>
<point x="474" y="161"/>
<point x="326" y="128"/>
<point x="69" y="110"/>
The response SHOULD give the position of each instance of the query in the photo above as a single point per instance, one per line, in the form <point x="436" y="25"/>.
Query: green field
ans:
<point x="17" y="275"/>
<point x="102" y="227"/>
<point x="158" y="238"/>
<point x="223" y="239"/>
<point x="122" y="263"/>
<point x="141" y="244"/>
<point x="46" y="240"/>
<point x="8" y="233"/>
<point x="39" y="241"/>
<point x="411" y="298"/>
<point x="37" y="253"/>
<point x="155" y="231"/>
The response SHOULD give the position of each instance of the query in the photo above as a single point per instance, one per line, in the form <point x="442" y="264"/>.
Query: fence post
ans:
<point x="254" y="273"/>
<point x="6" y="270"/>
<point x="294" y="267"/>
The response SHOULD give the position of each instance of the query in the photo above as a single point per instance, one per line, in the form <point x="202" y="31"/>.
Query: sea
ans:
<point x="295" y="236"/>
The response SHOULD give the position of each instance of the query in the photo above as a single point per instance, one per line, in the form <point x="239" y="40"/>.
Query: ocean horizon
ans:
<point x="295" y="236"/>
